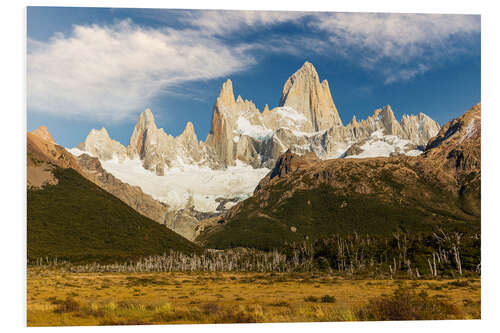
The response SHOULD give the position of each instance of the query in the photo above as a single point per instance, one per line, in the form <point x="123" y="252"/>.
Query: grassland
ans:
<point x="58" y="298"/>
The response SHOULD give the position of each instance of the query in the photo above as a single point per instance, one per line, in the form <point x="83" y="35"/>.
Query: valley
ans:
<point x="282" y="215"/>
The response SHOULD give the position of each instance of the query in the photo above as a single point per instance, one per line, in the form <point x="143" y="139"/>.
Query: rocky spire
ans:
<point x="221" y="132"/>
<point x="304" y="93"/>
<point x="353" y="121"/>
<point x="145" y="123"/>
<point x="266" y="109"/>
<point x="226" y="94"/>
<point x="419" y="128"/>
<point x="391" y="125"/>
<point x="43" y="132"/>
<point x="188" y="136"/>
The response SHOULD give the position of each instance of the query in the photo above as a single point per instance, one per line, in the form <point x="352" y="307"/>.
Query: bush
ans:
<point x="328" y="299"/>
<point x="311" y="299"/>
<point x="68" y="305"/>
<point x="281" y="304"/>
<point x="406" y="304"/>
<point x="210" y="308"/>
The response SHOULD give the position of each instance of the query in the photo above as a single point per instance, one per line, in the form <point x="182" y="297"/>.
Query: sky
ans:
<point x="94" y="67"/>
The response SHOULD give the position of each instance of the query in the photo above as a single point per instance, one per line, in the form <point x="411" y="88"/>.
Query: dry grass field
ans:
<point x="56" y="298"/>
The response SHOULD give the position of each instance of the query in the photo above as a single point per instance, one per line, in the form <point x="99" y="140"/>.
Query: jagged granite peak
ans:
<point x="391" y="125"/>
<point x="159" y="150"/>
<point x="353" y="121"/>
<point x="240" y="132"/>
<point x="99" y="144"/>
<point x="304" y="93"/>
<point x="419" y="128"/>
<point x="43" y="132"/>
<point x="145" y="122"/>
<point x="226" y="94"/>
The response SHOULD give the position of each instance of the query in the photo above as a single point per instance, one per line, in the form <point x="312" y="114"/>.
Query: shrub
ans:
<point x="280" y="304"/>
<point x="210" y="308"/>
<point x="328" y="299"/>
<point x="68" y="305"/>
<point x="406" y="304"/>
<point x="311" y="299"/>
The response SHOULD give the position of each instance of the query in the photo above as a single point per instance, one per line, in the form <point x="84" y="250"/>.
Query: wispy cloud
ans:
<point x="401" y="46"/>
<point x="111" y="72"/>
<point x="223" y="23"/>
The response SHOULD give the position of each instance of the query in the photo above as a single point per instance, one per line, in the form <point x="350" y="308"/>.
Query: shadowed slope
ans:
<point x="78" y="221"/>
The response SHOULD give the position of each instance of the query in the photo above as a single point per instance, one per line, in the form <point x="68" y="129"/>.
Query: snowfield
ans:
<point x="380" y="145"/>
<point x="188" y="184"/>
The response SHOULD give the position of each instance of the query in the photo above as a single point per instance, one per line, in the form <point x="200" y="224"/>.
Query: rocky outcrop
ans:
<point x="456" y="149"/>
<point x="419" y="128"/>
<point x="43" y="132"/>
<point x="99" y="144"/>
<point x="458" y="143"/>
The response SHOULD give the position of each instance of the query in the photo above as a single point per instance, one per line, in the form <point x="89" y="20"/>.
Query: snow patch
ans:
<point x="290" y="113"/>
<point x="255" y="131"/>
<point x="77" y="152"/>
<point x="469" y="130"/>
<point x="380" y="145"/>
<point x="308" y="134"/>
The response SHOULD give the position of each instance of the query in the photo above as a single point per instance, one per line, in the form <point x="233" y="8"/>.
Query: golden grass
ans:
<point x="56" y="298"/>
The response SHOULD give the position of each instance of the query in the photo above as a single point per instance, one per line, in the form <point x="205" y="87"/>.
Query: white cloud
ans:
<point x="408" y="44"/>
<point x="224" y="22"/>
<point x="111" y="72"/>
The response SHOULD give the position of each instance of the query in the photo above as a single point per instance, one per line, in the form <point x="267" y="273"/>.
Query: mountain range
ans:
<point x="243" y="137"/>
<point x="306" y="120"/>
<point x="293" y="172"/>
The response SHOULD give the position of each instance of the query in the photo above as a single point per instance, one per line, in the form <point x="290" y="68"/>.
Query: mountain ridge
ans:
<point x="306" y="197"/>
<point x="306" y="119"/>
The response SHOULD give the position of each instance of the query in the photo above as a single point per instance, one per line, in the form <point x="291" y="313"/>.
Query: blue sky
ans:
<point x="94" y="67"/>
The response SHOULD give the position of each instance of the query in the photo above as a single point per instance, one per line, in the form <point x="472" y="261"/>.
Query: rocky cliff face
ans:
<point x="43" y="133"/>
<point x="303" y="92"/>
<point x="457" y="146"/>
<point x="98" y="143"/>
